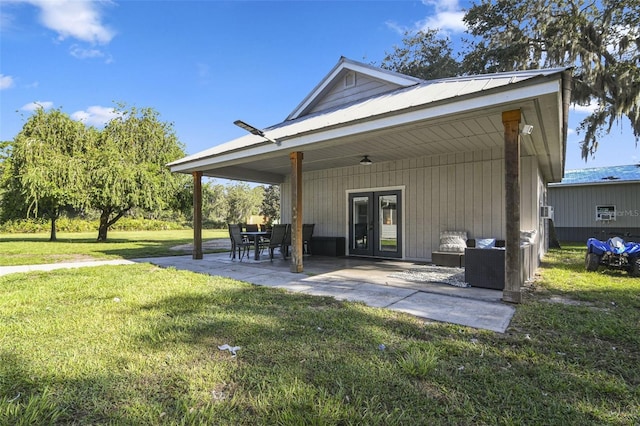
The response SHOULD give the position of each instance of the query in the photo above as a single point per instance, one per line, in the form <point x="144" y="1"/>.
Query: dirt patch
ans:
<point x="566" y="301"/>
<point x="65" y="258"/>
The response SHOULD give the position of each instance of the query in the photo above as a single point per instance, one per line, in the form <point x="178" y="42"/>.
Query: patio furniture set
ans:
<point x="483" y="259"/>
<point x="247" y="237"/>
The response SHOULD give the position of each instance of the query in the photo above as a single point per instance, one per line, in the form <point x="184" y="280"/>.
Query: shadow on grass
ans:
<point x="315" y="360"/>
<point x="333" y="347"/>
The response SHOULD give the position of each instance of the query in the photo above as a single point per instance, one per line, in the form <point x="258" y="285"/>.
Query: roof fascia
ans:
<point x="347" y="64"/>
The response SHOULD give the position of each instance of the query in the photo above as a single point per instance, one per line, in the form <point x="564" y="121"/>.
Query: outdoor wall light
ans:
<point x="527" y="129"/>
<point x="254" y="130"/>
<point x="365" y="161"/>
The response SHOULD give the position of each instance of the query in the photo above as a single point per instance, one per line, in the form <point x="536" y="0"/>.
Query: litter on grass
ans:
<point x="232" y="349"/>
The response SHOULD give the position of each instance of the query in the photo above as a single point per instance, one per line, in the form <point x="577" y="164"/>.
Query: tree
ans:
<point x="214" y="203"/>
<point x="600" y="39"/>
<point x="46" y="167"/>
<point x="128" y="166"/>
<point x="243" y="201"/>
<point x="270" y="207"/>
<point x="423" y="55"/>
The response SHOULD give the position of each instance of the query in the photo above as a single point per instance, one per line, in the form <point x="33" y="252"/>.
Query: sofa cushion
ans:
<point x="453" y="241"/>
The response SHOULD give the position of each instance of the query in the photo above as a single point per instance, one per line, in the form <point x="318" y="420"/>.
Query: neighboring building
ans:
<point x="436" y="152"/>
<point x="597" y="202"/>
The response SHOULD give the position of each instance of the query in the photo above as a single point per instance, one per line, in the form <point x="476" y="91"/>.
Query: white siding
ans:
<point x="532" y="197"/>
<point x="462" y="191"/>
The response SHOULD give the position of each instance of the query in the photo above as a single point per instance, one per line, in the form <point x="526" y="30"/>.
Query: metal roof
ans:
<point x="422" y="95"/>
<point x="601" y="175"/>
<point x="419" y="119"/>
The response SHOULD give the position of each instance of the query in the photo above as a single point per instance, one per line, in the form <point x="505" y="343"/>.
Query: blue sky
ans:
<point x="203" y="64"/>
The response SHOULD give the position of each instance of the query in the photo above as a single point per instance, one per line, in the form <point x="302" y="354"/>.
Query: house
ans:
<point x="387" y="161"/>
<point x="597" y="202"/>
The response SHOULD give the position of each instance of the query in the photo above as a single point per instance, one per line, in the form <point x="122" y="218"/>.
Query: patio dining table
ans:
<point x="257" y="237"/>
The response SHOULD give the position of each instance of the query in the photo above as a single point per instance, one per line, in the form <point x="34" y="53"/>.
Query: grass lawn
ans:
<point x="34" y="249"/>
<point x="137" y="344"/>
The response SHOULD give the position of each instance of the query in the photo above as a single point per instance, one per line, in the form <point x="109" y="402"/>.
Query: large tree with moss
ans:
<point x="600" y="39"/>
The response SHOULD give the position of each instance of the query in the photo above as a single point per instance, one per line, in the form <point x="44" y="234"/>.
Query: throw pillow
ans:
<point x="485" y="243"/>
<point x="528" y="237"/>
<point x="452" y="241"/>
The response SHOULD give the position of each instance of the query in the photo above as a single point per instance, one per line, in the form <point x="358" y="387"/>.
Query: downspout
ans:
<point x="567" y="78"/>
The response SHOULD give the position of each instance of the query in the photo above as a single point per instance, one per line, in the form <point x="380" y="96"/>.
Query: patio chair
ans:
<point x="307" y="234"/>
<point x="249" y="227"/>
<point x="287" y="240"/>
<point x="278" y="235"/>
<point x="237" y="242"/>
<point x="361" y="231"/>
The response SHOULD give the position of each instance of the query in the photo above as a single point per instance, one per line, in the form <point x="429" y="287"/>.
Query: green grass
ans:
<point x="137" y="344"/>
<point x="32" y="249"/>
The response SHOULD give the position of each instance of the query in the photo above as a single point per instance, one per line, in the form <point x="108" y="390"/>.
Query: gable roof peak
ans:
<point x="343" y="66"/>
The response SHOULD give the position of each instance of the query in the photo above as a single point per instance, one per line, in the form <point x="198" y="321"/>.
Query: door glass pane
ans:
<point x="360" y="223"/>
<point x="388" y="222"/>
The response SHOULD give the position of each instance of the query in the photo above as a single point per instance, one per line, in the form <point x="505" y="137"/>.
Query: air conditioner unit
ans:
<point x="546" y="212"/>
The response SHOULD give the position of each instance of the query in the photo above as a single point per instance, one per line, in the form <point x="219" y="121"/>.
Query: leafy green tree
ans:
<point x="601" y="39"/>
<point x="424" y="55"/>
<point x="46" y="167"/>
<point x="214" y="202"/>
<point x="270" y="207"/>
<point x="243" y="201"/>
<point x="128" y="166"/>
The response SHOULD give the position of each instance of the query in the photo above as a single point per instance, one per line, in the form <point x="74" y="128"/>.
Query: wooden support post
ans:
<point x="197" y="215"/>
<point x="513" y="263"/>
<point x="296" y="212"/>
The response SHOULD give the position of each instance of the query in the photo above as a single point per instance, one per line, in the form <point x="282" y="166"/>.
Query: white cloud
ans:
<point x="81" y="20"/>
<point x="447" y="17"/>
<point x="32" y="106"/>
<point x="571" y="131"/>
<point x="95" y="115"/>
<point x="445" y="21"/>
<point x="6" y="82"/>
<point x="82" y="53"/>
<point x="585" y="109"/>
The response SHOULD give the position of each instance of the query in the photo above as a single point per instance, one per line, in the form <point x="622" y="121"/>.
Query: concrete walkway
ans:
<point x="361" y="280"/>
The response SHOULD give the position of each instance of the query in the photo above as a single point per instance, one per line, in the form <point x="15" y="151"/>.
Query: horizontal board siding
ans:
<point x="575" y="206"/>
<point x="445" y="192"/>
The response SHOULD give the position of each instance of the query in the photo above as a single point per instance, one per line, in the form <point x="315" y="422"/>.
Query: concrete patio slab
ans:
<point x="351" y="279"/>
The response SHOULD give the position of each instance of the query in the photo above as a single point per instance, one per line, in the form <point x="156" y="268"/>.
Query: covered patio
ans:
<point x="454" y="152"/>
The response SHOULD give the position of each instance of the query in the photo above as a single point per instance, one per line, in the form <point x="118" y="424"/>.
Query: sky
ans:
<point x="204" y="64"/>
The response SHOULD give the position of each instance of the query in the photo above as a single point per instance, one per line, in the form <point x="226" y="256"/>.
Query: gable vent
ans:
<point x="350" y="79"/>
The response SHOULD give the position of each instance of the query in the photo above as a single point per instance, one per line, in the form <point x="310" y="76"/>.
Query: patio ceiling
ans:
<point x="471" y="122"/>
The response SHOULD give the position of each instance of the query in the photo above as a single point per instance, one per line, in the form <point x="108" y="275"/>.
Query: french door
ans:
<point x="375" y="223"/>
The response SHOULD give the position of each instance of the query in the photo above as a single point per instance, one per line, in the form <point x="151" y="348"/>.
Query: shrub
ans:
<point x="65" y="224"/>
